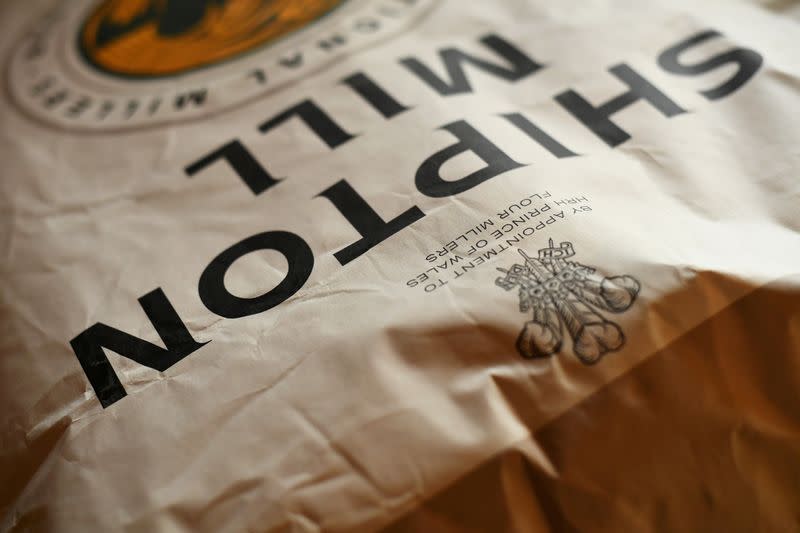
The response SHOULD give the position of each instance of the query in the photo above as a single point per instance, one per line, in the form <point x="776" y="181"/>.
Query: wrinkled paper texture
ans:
<point x="361" y="403"/>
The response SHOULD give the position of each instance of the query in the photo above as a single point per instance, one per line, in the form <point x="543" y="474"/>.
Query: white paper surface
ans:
<point x="389" y="390"/>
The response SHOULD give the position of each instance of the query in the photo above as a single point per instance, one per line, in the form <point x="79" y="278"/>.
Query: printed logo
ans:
<point x="119" y="64"/>
<point x="158" y="38"/>
<point x="560" y="293"/>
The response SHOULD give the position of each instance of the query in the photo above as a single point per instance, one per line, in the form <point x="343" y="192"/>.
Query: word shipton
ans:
<point x="502" y="60"/>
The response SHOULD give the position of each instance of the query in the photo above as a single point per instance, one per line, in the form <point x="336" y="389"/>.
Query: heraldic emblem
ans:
<point x="560" y="293"/>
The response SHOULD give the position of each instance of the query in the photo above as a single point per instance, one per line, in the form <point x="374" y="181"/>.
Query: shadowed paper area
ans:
<point x="703" y="436"/>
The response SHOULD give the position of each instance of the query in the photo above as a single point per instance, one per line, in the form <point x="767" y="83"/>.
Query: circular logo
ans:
<point x="151" y="38"/>
<point x="107" y="65"/>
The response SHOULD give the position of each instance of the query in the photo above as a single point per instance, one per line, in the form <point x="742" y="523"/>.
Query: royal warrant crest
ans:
<point x="562" y="294"/>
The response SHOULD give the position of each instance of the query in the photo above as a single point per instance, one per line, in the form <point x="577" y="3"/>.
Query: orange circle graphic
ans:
<point x="152" y="38"/>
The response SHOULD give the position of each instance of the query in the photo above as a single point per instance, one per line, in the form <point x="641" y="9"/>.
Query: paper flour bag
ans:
<point x="401" y="265"/>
